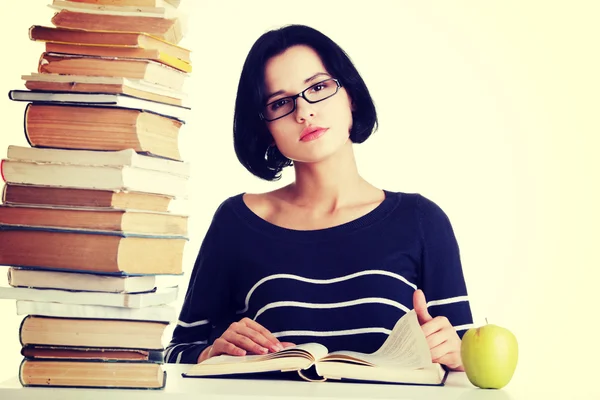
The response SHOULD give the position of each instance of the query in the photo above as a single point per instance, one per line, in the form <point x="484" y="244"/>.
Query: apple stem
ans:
<point x="486" y="321"/>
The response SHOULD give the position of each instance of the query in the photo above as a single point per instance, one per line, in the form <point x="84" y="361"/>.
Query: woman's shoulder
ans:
<point x="423" y="205"/>
<point x="239" y="204"/>
<point x="261" y="204"/>
<point x="228" y="204"/>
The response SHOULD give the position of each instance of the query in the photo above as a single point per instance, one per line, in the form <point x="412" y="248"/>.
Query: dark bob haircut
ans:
<point x="251" y="136"/>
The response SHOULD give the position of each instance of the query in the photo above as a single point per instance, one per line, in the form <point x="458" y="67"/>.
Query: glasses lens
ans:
<point x="278" y="108"/>
<point x="321" y="90"/>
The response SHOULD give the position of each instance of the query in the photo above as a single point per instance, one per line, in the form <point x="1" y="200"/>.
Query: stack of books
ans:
<point x="85" y="221"/>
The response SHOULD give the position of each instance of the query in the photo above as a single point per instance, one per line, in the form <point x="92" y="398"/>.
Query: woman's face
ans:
<point x="312" y="132"/>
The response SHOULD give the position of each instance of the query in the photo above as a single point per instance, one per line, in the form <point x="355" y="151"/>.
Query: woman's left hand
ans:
<point x="444" y="342"/>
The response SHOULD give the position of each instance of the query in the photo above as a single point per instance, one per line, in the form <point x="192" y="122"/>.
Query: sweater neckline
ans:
<point x="389" y="203"/>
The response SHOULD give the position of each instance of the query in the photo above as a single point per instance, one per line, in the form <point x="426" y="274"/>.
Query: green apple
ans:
<point x="489" y="355"/>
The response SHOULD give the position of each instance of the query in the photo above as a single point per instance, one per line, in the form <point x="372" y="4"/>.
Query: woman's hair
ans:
<point x="251" y="137"/>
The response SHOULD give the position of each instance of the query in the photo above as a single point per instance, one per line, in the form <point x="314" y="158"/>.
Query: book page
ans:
<point x="406" y="343"/>
<point x="311" y="351"/>
<point x="405" y="347"/>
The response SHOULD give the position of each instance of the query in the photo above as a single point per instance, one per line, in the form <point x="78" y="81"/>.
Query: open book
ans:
<point x="403" y="358"/>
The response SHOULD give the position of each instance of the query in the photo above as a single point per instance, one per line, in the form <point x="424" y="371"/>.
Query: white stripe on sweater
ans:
<point x="170" y="350"/>
<point x="366" y="300"/>
<point x="333" y="333"/>
<point x="447" y="301"/>
<point x="463" y="327"/>
<point x="347" y="332"/>
<point x="192" y="324"/>
<point x="323" y="281"/>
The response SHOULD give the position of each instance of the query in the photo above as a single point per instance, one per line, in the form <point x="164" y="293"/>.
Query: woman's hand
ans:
<point x="444" y="342"/>
<point x="245" y="336"/>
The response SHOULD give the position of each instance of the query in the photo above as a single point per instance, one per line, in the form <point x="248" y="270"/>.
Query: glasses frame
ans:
<point x="301" y="94"/>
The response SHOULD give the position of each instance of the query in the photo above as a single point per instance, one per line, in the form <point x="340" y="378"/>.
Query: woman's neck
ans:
<point x="331" y="184"/>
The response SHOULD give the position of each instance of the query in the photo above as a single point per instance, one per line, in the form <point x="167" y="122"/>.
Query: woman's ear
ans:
<point x="352" y="105"/>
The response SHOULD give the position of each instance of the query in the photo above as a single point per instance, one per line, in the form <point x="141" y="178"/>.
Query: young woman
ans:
<point x="329" y="258"/>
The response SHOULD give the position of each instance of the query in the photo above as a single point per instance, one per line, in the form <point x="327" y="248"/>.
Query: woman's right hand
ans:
<point x="245" y="336"/>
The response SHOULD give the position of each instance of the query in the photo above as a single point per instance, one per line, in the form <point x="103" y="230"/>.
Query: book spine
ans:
<point x="30" y="32"/>
<point x="2" y="170"/>
<point x="21" y="329"/>
<point x="25" y="130"/>
<point x="123" y="234"/>
<point x="164" y="382"/>
<point x="42" y="60"/>
<point x="21" y="366"/>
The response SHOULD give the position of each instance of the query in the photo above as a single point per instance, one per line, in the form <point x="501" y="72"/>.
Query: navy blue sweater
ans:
<point x="344" y="287"/>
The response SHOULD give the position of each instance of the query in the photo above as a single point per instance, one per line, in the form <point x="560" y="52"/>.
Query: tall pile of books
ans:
<point x="85" y="226"/>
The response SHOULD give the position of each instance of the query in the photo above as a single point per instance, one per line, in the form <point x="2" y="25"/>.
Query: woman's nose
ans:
<point x="304" y="110"/>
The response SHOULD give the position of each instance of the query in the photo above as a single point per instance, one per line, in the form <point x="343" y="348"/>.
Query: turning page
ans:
<point x="405" y="347"/>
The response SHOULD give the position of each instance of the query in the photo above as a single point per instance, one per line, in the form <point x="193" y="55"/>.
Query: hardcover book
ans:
<point x="123" y="170"/>
<point x="92" y="374"/>
<point x="95" y="100"/>
<point x="404" y="358"/>
<point x="131" y="40"/>
<point x="158" y="297"/>
<point x="102" y="252"/>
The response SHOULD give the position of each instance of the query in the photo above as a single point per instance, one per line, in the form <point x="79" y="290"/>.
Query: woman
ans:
<point x="329" y="258"/>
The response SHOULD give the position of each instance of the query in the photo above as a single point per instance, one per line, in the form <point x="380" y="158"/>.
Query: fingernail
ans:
<point x="277" y="347"/>
<point x="264" y="350"/>
<point x="241" y="352"/>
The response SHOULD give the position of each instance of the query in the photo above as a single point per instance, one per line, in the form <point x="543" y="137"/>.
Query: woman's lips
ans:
<point x="312" y="134"/>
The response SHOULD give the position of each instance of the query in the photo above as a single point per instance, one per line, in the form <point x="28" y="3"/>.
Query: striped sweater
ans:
<point x="344" y="287"/>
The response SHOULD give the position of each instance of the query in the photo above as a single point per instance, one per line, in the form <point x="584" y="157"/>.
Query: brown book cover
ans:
<point x="96" y="333"/>
<point x="92" y="374"/>
<point x="95" y="219"/>
<point x="133" y="68"/>
<point x="131" y="40"/>
<point x="35" y="352"/>
<point x="106" y="252"/>
<point x="167" y="29"/>
<point x="119" y="52"/>
<point x="68" y="197"/>
<point x="101" y="128"/>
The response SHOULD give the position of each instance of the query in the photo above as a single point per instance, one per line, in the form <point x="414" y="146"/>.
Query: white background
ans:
<point x="490" y="110"/>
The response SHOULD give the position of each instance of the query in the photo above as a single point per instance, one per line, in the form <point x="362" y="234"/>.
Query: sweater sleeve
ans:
<point x="441" y="275"/>
<point x="205" y="305"/>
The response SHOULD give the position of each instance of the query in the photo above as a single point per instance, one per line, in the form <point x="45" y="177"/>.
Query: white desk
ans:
<point x="457" y="387"/>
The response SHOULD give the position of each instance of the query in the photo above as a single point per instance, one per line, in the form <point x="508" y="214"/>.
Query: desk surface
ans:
<point x="457" y="387"/>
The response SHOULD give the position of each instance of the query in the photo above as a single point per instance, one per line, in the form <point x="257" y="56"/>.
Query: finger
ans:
<point x="435" y="325"/>
<point x="420" y="307"/>
<point x="441" y="350"/>
<point x="437" y="338"/>
<point x="259" y="328"/>
<point x="273" y="342"/>
<point x="287" y="344"/>
<point x="222" y="346"/>
<point x="258" y="338"/>
<point x="452" y="360"/>
<point x="241" y="340"/>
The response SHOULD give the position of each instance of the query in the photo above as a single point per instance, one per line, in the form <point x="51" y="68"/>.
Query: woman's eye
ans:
<point x="319" y="87"/>
<point x="278" y="104"/>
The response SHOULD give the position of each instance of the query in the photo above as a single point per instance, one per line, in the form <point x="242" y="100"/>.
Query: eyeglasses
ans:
<point x="313" y="94"/>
